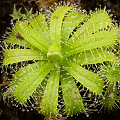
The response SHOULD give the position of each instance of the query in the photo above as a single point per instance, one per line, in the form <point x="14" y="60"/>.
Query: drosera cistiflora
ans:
<point x="53" y="59"/>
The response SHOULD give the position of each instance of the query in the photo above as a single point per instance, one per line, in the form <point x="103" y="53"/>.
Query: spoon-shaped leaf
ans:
<point x="56" y="22"/>
<point x="50" y="99"/>
<point x="54" y="51"/>
<point x="17" y="55"/>
<point x="88" y="79"/>
<point x="71" y="96"/>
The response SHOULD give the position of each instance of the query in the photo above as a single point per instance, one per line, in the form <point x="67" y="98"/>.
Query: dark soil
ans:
<point x="6" y="8"/>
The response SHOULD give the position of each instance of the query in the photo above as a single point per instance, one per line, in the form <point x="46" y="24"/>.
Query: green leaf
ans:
<point x="98" y="21"/>
<point x="110" y="96"/>
<point x="54" y="50"/>
<point x="56" y="23"/>
<point x="16" y="40"/>
<point x="32" y="36"/>
<point x="72" y="20"/>
<point x="17" y="55"/>
<point x="88" y="79"/>
<point x="16" y="14"/>
<point x="92" y="41"/>
<point x="113" y="74"/>
<point x="71" y="96"/>
<point x="93" y="57"/>
<point x="17" y="78"/>
<point x="22" y="72"/>
<point x="40" y="25"/>
<point x="29" y="14"/>
<point x="50" y="98"/>
<point x="30" y="80"/>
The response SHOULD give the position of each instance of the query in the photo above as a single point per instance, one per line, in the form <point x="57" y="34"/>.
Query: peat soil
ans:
<point x="6" y="8"/>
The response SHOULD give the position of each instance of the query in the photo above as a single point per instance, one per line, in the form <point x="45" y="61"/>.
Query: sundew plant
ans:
<point x="50" y="58"/>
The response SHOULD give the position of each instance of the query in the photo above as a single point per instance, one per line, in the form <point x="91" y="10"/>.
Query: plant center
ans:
<point x="54" y="53"/>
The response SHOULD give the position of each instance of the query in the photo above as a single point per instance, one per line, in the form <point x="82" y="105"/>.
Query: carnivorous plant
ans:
<point x="50" y="57"/>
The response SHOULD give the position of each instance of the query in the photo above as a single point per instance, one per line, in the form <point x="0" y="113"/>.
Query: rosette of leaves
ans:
<point x="59" y="47"/>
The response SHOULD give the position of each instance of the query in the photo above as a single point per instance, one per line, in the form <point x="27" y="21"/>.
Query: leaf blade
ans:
<point x="71" y="96"/>
<point x="93" y="57"/>
<point x="97" y="40"/>
<point x="88" y="79"/>
<point x="17" y="55"/>
<point x="54" y="50"/>
<point x="50" y="97"/>
<point x="55" y="24"/>
<point x="98" y="21"/>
